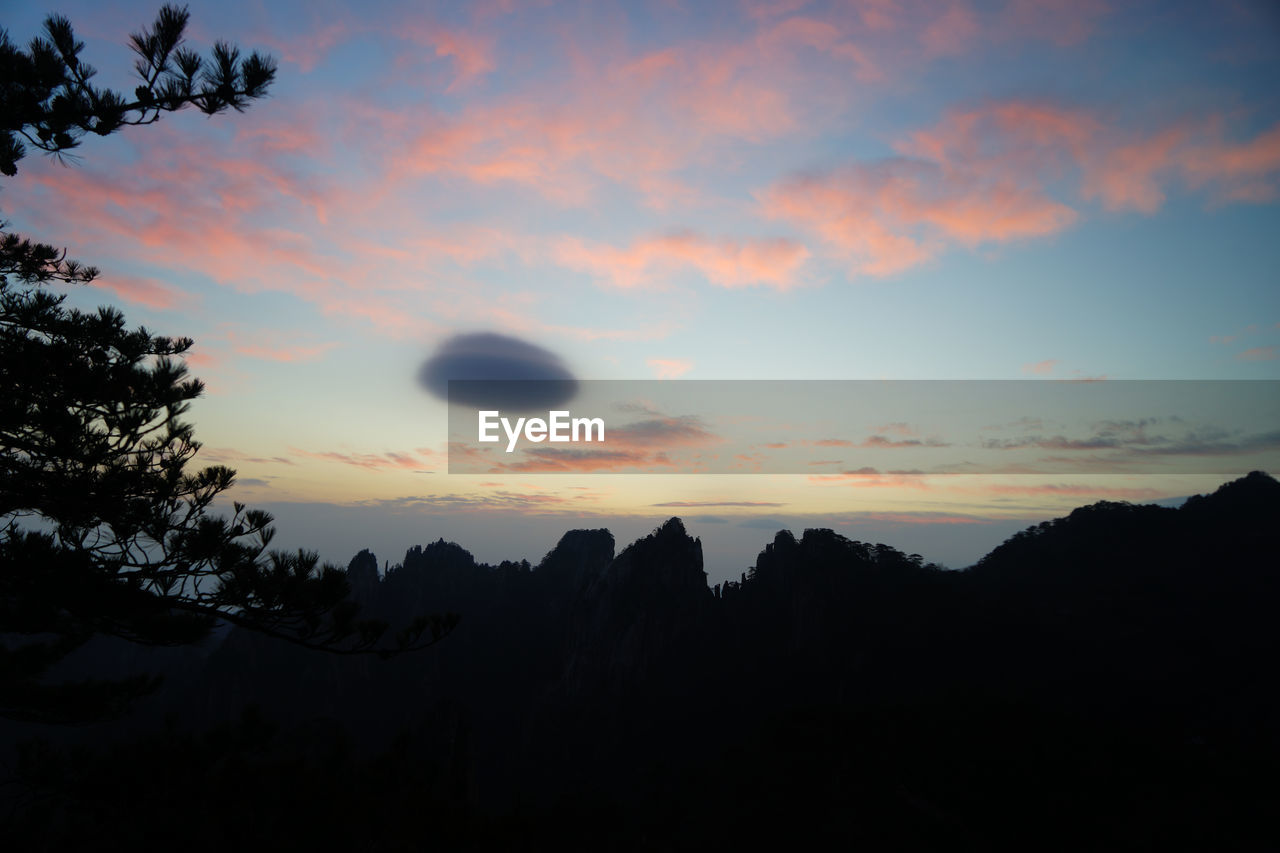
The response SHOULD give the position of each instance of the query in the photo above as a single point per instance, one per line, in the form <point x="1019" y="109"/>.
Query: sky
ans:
<point x="749" y="190"/>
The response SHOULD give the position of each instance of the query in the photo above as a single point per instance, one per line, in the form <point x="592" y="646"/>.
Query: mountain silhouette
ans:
<point x="1099" y="681"/>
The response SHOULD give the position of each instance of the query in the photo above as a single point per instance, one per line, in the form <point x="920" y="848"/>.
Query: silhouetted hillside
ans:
<point x="1100" y="681"/>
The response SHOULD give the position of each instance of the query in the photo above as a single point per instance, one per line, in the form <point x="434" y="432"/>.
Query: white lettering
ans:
<point x="486" y="425"/>
<point x="559" y="420"/>
<point x="587" y="424"/>
<point x="559" y="427"/>
<point x="512" y="434"/>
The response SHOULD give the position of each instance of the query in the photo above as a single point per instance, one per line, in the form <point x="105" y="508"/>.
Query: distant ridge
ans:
<point x="1099" y="681"/>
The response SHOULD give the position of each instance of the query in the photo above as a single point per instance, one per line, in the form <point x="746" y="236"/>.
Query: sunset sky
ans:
<point x="782" y="190"/>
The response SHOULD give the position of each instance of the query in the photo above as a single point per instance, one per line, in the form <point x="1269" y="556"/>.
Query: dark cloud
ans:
<point x="1130" y="439"/>
<point x="663" y="432"/>
<point x="882" y="443"/>
<point x="517" y="376"/>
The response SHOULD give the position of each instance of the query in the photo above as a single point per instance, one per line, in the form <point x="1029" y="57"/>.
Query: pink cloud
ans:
<point x="471" y="52"/>
<point x="503" y="501"/>
<point x="953" y="32"/>
<point x="699" y="504"/>
<point x="1128" y="177"/>
<point x="144" y="291"/>
<point x="1073" y="491"/>
<point x="285" y="353"/>
<point x="1041" y="368"/>
<point x="390" y="460"/>
<point x="1009" y="138"/>
<point x="870" y="478"/>
<point x="1125" y="168"/>
<point x="308" y="49"/>
<point x="728" y="263"/>
<point x="669" y="368"/>
<point x="1258" y="354"/>
<point x="981" y="177"/>
<point x="1064" y="22"/>
<point x="887" y="217"/>
<point x="523" y="321"/>
<point x="773" y="8"/>
<point x="235" y="455"/>
<point x="203" y="359"/>
<point x="1236" y="171"/>
<point x="799" y="33"/>
<point x="218" y="229"/>
<point x="586" y="461"/>
<point x="630" y="119"/>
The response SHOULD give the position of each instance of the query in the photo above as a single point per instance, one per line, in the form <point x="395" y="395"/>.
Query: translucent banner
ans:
<point x="849" y="428"/>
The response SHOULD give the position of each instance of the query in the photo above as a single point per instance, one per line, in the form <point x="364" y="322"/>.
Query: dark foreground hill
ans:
<point x="1104" y="681"/>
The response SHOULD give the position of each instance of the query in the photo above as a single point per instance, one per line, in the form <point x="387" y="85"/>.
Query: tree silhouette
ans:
<point x="48" y="99"/>
<point x="103" y="530"/>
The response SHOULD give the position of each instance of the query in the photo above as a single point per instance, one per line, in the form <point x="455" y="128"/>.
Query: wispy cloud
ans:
<point x="1258" y="354"/>
<point x="1040" y="368"/>
<point x="652" y="261"/>
<point x="669" y="368"/>
<point x="400" y="460"/>
<point x="692" y="504"/>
